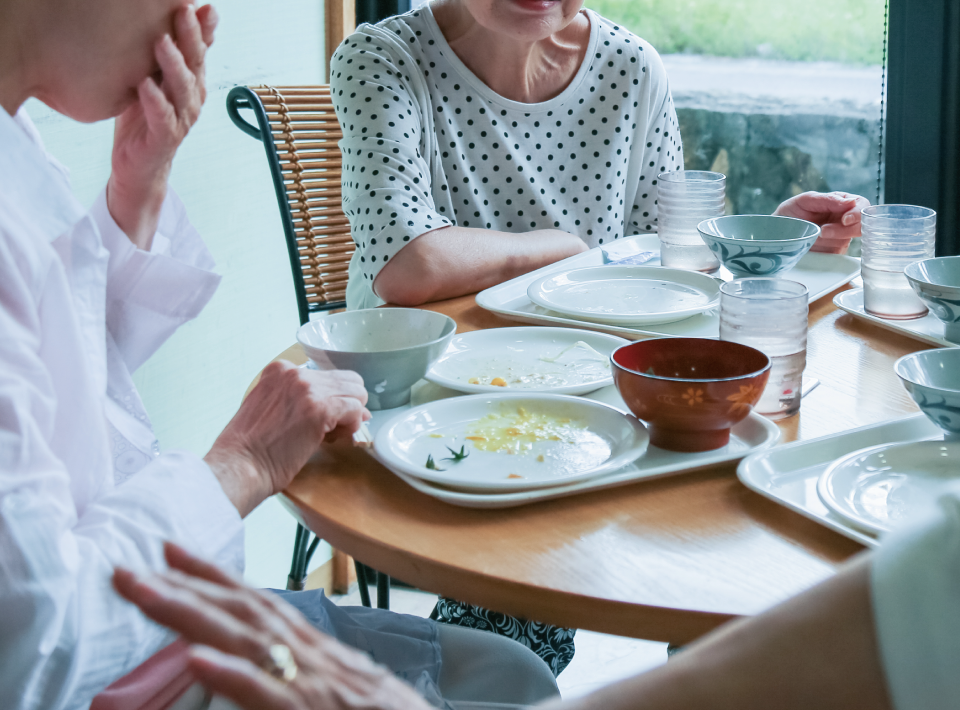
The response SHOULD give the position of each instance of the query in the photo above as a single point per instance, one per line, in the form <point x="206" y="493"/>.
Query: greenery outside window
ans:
<point x="782" y="97"/>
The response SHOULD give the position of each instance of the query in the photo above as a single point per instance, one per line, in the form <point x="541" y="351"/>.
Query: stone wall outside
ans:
<point x="769" y="157"/>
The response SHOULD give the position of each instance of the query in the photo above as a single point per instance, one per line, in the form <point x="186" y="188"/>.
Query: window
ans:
<point x="782" y="97"/>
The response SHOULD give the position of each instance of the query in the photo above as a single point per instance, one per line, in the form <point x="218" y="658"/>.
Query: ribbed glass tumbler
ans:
<point x="893" y="237"/>
<point x="770" y="315"/>
<point x="684" y="199"/>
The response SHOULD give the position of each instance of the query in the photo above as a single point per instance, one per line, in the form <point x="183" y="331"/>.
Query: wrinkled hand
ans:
<point x="836" y="213"/>
<point x="279" y="427"/>
<point x="234" y="627"/>
<point x="148" y="133"/>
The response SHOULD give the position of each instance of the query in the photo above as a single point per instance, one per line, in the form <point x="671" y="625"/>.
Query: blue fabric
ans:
<point x="407" y="645"/>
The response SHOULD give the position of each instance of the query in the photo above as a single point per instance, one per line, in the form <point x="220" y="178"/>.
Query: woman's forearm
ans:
<point x="818" y="650"/>
<point x="454" y="261"/>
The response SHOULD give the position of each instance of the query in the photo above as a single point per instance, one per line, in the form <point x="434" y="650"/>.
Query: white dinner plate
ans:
<point x="519" y="441"/>
<point x="626" y="295"/>
<point x="531" y="359"/>
<point x="877" y="488"/>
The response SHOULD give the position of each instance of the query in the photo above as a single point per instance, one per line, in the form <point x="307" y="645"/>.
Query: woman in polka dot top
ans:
<point x="487" y="138"/>
<point x="483" y="139"/>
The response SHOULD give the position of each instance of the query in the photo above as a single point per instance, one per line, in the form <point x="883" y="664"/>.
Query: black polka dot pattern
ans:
<point x="426" y="144"/>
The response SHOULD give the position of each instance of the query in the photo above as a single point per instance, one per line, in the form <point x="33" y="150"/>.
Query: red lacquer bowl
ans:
<point x="689" y="391"/>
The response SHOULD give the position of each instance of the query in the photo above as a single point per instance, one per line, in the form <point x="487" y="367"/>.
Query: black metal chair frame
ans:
<point x="240" y="97"/>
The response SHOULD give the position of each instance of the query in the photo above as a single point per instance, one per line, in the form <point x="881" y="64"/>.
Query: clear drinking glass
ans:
<point x="894" y="236"/>
<point x="770" y="315"/>
<point x="684" y="199"/>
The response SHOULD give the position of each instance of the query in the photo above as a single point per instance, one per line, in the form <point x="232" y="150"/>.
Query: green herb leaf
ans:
<point x="457" y="456"/>
<point x="431" y="464"/>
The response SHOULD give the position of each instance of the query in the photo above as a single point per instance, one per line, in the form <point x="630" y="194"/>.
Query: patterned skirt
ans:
<point x="552" y="643"/>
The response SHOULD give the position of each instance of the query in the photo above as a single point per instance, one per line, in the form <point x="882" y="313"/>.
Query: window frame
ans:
<point x="922" y="142"/>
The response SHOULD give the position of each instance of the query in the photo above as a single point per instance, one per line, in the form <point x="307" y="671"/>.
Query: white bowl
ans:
<point x="390" y="348"/>
<point x="932" y="377"/>
<point x="758" y="245"/>
<point x="937" y="283"/>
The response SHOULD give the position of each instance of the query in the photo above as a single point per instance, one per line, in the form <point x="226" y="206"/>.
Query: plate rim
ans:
<point x="625" y="319"/>
<point x="852" y="518"/>
<point x="576" y="334"/>
<point x="391" y="461"/>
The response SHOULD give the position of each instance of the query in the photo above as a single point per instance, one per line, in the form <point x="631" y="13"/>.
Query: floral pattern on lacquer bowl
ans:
<point x="689" y="391"/>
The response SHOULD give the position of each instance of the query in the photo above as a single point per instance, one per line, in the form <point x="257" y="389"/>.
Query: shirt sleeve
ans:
<point x="64" y="633"/>
<point x="151" y="294"/>
<point x="916" y="604"/>
<point x="658" y="137"/>
<point x="386" y="180"/>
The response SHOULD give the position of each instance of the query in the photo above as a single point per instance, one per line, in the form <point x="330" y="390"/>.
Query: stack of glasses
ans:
<point x="684" y="199"/>
<point x="893" y="237"/>
<point x="770" y="315"/>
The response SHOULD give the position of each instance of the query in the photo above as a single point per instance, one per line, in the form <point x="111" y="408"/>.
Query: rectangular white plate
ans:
<point x="928" y="329"/>
<point x="788" y="474"/>
<point x="820" y="273"/>
<point x="755" y="433"/>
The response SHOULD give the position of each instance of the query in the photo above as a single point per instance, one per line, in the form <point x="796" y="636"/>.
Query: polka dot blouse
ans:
<point x="426" y="144"/>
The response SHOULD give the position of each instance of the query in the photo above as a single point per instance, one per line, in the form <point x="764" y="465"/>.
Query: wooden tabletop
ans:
<point x="667" y="560"/>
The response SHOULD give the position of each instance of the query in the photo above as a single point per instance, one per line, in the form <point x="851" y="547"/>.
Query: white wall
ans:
<point x="193" y="385"/>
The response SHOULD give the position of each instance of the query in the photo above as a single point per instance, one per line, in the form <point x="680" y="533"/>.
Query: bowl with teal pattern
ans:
<point x="932" y="377"/>
<point x="937" y="283"/>
<point x="757" y="244"/>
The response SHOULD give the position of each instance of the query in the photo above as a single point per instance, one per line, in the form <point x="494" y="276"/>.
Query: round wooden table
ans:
<point x="666" y="560"/>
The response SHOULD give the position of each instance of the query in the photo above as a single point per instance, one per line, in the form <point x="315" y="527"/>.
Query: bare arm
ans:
<point x="454" y="261"/>
<point x="818" y="650"/>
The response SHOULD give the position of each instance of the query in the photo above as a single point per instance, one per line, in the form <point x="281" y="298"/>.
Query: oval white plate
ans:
<point x="606" y="439"/>
<point x="528" y="359"/>
<point x="876" y="488"/>
<point x="626" y="295"/>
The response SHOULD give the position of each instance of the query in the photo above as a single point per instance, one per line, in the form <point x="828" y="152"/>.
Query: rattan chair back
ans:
<point x="300" y="134"/>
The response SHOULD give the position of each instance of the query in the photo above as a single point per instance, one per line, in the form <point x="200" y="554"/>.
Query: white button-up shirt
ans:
<point x="83" y="486"/>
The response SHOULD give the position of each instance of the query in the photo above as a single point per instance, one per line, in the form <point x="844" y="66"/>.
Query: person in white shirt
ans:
<point x="85" y="299"/>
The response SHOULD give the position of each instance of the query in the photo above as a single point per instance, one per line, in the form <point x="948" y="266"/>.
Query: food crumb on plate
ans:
<point x="513" y="475"/>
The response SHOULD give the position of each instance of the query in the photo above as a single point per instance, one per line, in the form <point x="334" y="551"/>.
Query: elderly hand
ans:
<point x="148" y="133"/>
<point x="235" y="628"/>
<point x="280" y="425"/>
<point x="837" y="214"/>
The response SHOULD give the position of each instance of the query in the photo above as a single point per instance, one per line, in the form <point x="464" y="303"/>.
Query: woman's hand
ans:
<point x="280" y="425"/>
<point x="235" y="627"/>
<point x="837" y="214"/>
<point x="148" y="133"/>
